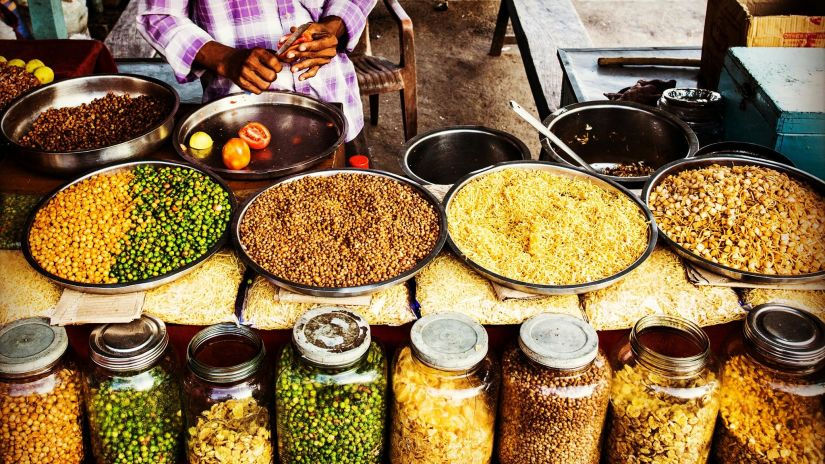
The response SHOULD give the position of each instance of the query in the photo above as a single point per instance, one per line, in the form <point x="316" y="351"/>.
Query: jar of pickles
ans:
<point x="555" y="393"/>
<point x="132" y="394"/>
<point x="227" y="397"/>
<point x="773" y="390"/>
<point x="664" y="395"/>
<point x="40" y="396"/>
<point x="445" y="389"/>
<point x="330" y="391"/>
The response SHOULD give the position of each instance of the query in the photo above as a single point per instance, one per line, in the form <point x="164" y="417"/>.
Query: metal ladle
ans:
<point x="553" y="138"/>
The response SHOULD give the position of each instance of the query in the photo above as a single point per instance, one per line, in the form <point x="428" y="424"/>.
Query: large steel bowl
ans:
<point x="443" y="156"/>
<point x="126" y="287"/>
<point x="606" y="133"/>
<point x="567" y="171"/>
<point x="18" y="118"/>
<point x="341" y="291"/>
<point x="732" y="160"/>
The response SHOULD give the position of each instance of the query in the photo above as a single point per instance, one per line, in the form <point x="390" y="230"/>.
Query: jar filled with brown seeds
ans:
<point x="227" y="398"/>
<point x="555" y="393"/>
<point x="773" y="390"/>
<point x="41" y="409"/>
<point x="664" y="395"/>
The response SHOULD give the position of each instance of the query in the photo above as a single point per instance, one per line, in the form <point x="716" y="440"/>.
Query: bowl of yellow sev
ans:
<point x="545" y="228"/>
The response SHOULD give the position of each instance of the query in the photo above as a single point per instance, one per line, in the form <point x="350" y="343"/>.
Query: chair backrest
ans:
<point x="364" y="47"/>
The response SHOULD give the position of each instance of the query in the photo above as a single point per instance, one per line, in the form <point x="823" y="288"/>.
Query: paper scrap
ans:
<point x="285" y="296"/>
<point x="86" y="308"/>
<point x="506" y="293"/>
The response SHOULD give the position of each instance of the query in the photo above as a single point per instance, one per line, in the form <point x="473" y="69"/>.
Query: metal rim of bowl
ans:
<point x="731" y="160"/>
<point x="544" y="289"/>
<point x="736" y="148"/>
<point x="341" y="291"/>
<point x="409" y="145"/>
<point x="23" y="98"/>
<point x="692" y="139"/>
<point x="335" y="112"/>
<point x="139" y="285"/>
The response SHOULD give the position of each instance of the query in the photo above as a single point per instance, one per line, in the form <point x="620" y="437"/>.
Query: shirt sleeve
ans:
<point x="165" y="24"/>
<point x="354" y="15"/>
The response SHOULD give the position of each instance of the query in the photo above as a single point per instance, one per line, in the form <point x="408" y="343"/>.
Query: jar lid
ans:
<point x="786" y="336"/>
<point x="559" y="341"/>
<point x="225" y="353"/>
<point x="449" y="341"/>
<point x="331" y="336"/>
<point x="30" y="345"/>
<point x="130" y="346"/>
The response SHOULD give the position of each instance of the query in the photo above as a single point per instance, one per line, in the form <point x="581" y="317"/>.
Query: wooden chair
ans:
<point x="377" y="75"/>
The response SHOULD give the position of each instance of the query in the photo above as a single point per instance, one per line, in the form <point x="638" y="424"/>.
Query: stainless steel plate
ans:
<point x="342" y="291"/>
<point x="304" y="132"/>
<point x="703" y="161"/>
<point x="19" y="117"/>
<point x="561" y="170"/>
<point x="127" y="287"/>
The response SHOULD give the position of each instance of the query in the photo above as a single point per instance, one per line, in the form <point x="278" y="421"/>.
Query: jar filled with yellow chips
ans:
<point x="445" y="390"/>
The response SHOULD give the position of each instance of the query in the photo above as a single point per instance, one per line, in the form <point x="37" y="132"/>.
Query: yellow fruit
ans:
<point x="3" y="59"/>
<point x="44" y="74"/>
<point x="34" y="64"/>
<point x="200" y="141"/>
<point x="17" y="62"/>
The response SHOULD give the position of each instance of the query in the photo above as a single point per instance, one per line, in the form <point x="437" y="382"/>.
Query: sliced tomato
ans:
<point x="256" y="135"/>
<point x="236" y="154"/>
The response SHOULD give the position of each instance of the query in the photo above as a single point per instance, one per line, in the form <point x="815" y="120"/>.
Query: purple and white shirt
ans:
<point x="179" y="28"/>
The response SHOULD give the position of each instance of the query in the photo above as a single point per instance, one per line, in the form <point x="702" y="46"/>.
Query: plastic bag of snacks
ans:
<point x="447" y="284"/>
<point x="23" y="292"/>
<point x="811" y="301"/>
<point x="659" y="286"/>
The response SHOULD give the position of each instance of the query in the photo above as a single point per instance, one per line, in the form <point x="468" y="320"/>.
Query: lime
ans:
<point x="44" y="74"/>
<point x="200" y="141"/>
<point x="34" y="64"/>
<point x="17" y="62"/>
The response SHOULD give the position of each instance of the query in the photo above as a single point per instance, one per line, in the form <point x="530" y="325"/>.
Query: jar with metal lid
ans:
<point x="132" y="394"/>
<point x="227" y="397"/>
<point x="773" y="390"/>
<point x="555" y="393"/>
<point x="330" y="391"/>
<point x="445" y="388"/>
<point x="664" y="395"/>
<point x="41" y="407"/>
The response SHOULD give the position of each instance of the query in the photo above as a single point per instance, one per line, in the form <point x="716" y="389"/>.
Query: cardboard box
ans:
<point x="757" y="23"/>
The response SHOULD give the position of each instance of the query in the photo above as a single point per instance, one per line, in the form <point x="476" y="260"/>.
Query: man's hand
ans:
<point x="318" y="51"/>
<point x="252" y="70"/>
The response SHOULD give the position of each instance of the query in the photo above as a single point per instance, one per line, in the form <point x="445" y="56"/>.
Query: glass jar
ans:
<point x="227" y="397"/>
<point x="773" y="390"/>
<point x="555" y="393"/>
<point x="330" y="391"/>
<point x="40" y="395"/>
<point x="445" y="389"/>
<point x="664" y="395"/>
<point x="132" y="394"/>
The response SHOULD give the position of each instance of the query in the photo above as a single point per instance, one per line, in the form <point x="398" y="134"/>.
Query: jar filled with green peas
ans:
<point x="330" y="391"/>
<point x="133" y="395"/>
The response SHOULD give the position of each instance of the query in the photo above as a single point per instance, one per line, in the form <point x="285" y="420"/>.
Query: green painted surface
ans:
<point x="47" y="19"/>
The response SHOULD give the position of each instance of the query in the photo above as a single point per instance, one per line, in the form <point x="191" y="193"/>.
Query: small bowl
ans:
<point x="606" y="133"/>
<point x="443" y="156"/>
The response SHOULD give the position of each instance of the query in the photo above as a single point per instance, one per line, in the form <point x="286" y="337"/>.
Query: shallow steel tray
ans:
<point x="561" y="170"/>
<point x="342" y="291"/>
<point x="732" y="160"/>
<point x="127" y="287"/>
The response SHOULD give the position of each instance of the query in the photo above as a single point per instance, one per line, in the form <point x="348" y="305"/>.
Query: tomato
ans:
<point x="256" y="135"/>
<point x="236" y="154"/>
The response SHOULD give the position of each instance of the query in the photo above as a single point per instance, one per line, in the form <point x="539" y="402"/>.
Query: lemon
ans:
<point x="17" y="62"/>
<point x="44" y="74"/>
<point x="3" y="59"/>
<point x="34" y="64"/>
<point x="200" y="141"/>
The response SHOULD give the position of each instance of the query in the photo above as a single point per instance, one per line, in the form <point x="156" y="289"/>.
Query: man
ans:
<point x="230" y="46"/>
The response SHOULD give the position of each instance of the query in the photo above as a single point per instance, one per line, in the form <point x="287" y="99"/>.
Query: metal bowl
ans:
<point x="730" y="160"/>
<point x="743" y="149"/>
<point x="341" y="291"/>
<point x="18" y="118"/>
<point x="567" y="171"/>
<point x="443" y="156"/>
<point x="320" y="128"/>
<point x="126" y="287"/>
<point x="607" y="133"/>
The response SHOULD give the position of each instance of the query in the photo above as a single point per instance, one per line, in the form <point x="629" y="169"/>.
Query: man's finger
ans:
<point x="329" y="41"/>
<point x="325" y="53"/>
<point x="306" y="64"/>
<point x="253" y="78"/>
<point x="270" y="61"/>
<point x="263" y="71"/>
<point x="246" y="85"/>
<point x="310" y="73"/>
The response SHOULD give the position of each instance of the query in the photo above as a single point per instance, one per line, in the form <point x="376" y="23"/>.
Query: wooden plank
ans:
<point x="541" y="27"/>
<point x="124" y="41"/>
<point x="47" y="19"/>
